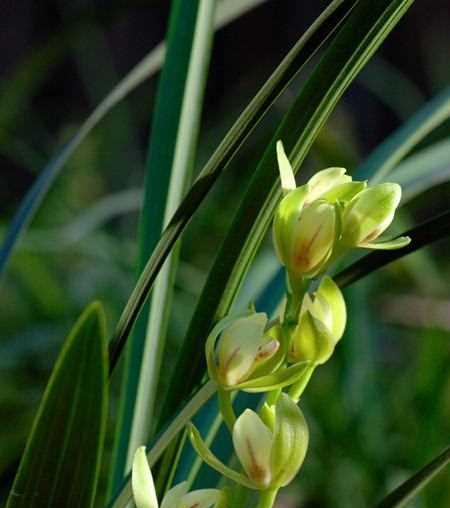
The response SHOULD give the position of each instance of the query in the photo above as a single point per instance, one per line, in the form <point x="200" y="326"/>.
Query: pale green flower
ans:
<point x="271" y="457"/>
<point x="321" y="324"/>
<point x="178" y="497"/>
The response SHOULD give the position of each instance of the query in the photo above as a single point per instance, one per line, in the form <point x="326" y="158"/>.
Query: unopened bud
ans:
<point x="324" y="181"/>
<point x="304" y="236"/>
<point x="369" y="214"/>
<point x="321" y="324"/>
<point x="242" y="348"/>
<point x="272" y="458"/>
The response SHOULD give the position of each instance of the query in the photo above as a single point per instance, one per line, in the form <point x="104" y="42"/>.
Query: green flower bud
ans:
<point x="272" y="458"/>
<point x="321" y="324"/>
<point x="369" y="214"/>
<point x="325" y="181"/>
<point x="304" y="236"/>
<point x="243" y="348"/>
<point x="318" y="185"/>
<point x="178" y="497"/>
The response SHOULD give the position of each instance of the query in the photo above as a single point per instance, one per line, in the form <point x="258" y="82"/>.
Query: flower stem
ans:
<point x="267" y="498"/>
<point x="226" y="408"/>
<point x="297" y="389"/>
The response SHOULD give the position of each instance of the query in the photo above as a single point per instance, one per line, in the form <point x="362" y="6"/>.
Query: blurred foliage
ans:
<point x="381" y="408"/>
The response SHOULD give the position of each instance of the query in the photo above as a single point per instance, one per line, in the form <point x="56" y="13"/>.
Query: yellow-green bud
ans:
<point x="324" y="181"/>
<point x="369" y="214"/>
<point x="177" y="497"/>
<point x="321" y="324"/>
<point x="304" y="235"/>
<point x="271" y="458"/>
<point x="242" y="348"/>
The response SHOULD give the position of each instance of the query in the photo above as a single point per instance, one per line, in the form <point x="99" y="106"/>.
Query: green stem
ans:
<point x="296" y="289"/>
<point x="267" y="498"/>
<point x="226" y="408"/>
<point x="297" y="389"/>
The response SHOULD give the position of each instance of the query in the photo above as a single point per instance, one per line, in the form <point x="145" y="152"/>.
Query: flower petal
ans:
<point x="253" y="444"/>
<point x="142" y="481"/>
<point x="174" y="496"/>
<point x="286" y="172"/>
<point x="204" y="498"/>
<point x="291" y="437"/>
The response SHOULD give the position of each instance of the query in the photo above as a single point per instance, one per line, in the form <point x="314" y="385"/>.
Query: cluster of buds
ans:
<point x="313" y="225"/>
<point x="328" y="215"/>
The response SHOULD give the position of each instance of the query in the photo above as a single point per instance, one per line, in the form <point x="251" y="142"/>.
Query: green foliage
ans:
<point x="60" y="465"/>
<point x="385" y="390"/>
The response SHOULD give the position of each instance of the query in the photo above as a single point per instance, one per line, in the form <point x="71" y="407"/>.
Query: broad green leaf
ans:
<point x="304" y="49"/>
<point x="411" y="487"/>
<point x="172" y="150"/>
<point x="384" y="159"/>
<point x="422" y="235"/>
<point x="364" y="30"/>
<point x="147" y="67"/>
<point x="61" y="462"/>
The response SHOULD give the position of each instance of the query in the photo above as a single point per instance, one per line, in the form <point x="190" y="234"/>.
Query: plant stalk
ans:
<point x="267" y="498"/>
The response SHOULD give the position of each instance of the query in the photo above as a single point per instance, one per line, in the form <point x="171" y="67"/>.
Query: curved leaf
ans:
<point x="411" y="487"/>
<point x="383" y="160"/>
<point x="423" y="170"/>
<point x="148" y="66"/>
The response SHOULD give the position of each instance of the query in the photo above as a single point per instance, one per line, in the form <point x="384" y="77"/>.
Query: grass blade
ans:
<point x="176" y="425"/>
<point x="362" y="33"/>
<point x="423" y="170"/>
<point x="422" y="235"/>
<point x="308" y="44"/>
<point x="411" y="487"/>
<point x="55" y="470"/>
<point x="148" y="66"/>
<point x="397" y="146"/>
<point x="177" y="117"/>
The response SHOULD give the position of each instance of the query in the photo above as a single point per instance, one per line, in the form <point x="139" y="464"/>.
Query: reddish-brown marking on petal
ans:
<point x="265" y="352"/>
<point x="256" y="472"/>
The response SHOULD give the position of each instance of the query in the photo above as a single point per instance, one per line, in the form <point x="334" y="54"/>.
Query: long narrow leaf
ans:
<point x="123" y="497"/>
<point x="422" y="235"/>
<point x="56" y="471"/>
<point x="423" y="170"/>
<point x="413" y="486"/>
<point x="307" y="45"/>
<point x="148" y="66"/>
<point x="365" y="29"/>
<point x="398" y="145"/>
<point x="182" y="106"/>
